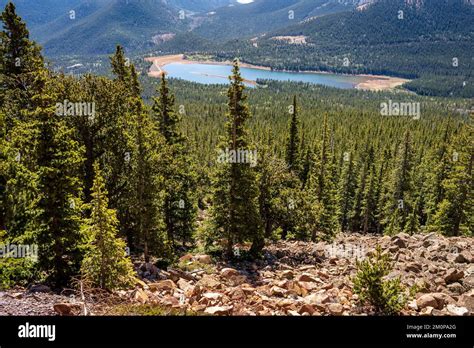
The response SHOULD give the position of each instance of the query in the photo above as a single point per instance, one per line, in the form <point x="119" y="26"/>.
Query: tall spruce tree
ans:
<point x="179" y="208"/>
<point x="323" y="188"/>
<point x="454" y="214"/>
<point x="356" y="219"/>
<point x="279" y="198"/>
<point x="165" y="114"/>
<point x="234" y="214"/>
<point x="145" y="185"/>
<point x="20" y="59"/>
<point x="57" y="208"/>
<point x="399" y="202"/>
<point x="369" y="202"/>
<point x="293" y="142"/>
<point x="121" y="66"/>
<point x="3" y="179"/>
<point x="436" y="176"/>
<point x="105" y="262"/>
<point x="346" y="192"/>
<point x="306" y="167"/>
<point x="118" y="103"/>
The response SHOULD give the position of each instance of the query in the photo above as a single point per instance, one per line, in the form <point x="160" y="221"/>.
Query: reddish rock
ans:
<point x="306" y="308"/>
<point x="425" y="301"/>
<point x="209" y="281"/>
<point x="186" y="258"/>
<point x="453" y="275"/>
<point x="277" y="291"/>
<point x="204" y="259"/>
<point x="65" y="309"/>
<point x="163" y="285"/>
<point x="229" y="272"/>
<point x="306" y="277"/>
<point x="169" y="300"/>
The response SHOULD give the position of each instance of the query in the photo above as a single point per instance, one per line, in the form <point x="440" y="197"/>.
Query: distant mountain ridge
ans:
<point x="90" y="27"/>
<point x="99" y="25"/>
<point x="199" y="5"/>
<point x="415" y="39"/>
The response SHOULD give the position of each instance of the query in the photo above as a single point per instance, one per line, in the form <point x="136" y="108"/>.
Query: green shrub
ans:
<point x="387" y="296"/>
<point x="16" y="272"/>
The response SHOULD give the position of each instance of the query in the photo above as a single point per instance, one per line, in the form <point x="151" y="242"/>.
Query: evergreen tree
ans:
<point x="454" y="214"/>
<point x="323" y="188"/>
<point x="399" y="195"/>
<point x="165" y="114"/>
<point x="306" y="167"/>
<point x="105" y="262"/>
<point x="346" y="191"/>
<point x="145" y="186"/>
<point x="381" y="195"/>
<point x="18" y="173"/>
<point x="3" y="159"/>
<point x="57" y="221"/>
<point x="20" y="59"/>
<point x="179" y="177"/>
<point x="121" y="66"/>
<point x="436" y="176"/>
<point x="234" y="212"/>
<point x="278" y="194"/>
<point x="369" y="202"/>
<point x="293" y="143"/>
<point x="357" y="211"/>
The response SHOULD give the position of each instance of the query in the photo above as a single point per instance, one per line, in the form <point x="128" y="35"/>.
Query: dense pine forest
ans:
<point x="93" y="166"/>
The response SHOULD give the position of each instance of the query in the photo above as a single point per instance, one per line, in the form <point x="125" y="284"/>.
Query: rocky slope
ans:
<point x="295" y="278"/>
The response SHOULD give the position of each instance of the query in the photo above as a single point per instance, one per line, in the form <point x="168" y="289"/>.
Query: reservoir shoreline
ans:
<point x="371" y="82"/>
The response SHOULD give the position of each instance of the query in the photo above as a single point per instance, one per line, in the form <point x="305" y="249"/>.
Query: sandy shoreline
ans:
<point x="381" y="83"/>
<point x="372" y="82"/>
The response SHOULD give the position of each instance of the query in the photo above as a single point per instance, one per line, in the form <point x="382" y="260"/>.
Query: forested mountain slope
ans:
<point x="34" y="10"/>
<point x="429" y="39"/>
<point x="94" y="166"/>
<point x="131" y="23"/>
<point x="96" y="27"/>
<point x="262" y="16"/>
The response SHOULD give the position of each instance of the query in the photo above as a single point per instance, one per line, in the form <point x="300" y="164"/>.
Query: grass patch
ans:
<point x="147" y="310"/>
<point x="190" y="266"/>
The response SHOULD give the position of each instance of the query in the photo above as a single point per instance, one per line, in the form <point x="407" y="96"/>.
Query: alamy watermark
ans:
<point x="392" y="108"/>
<point x="68" y="108"/>
<point x="243" y="156"/>
<point x="18" y="251"/>
<point x="37" y="331"/>
<point x="345" y="251"/>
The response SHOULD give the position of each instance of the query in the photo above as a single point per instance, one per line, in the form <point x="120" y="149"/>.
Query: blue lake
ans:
<point x="218" y="74"/>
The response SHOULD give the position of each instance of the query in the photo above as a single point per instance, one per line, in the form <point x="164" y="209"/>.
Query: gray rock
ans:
<point x="468" y="282"/>
<point x="467" y="300"/>
<point x="39" y="288"/>
<point x="335" y="308"/>
<point x="455" y="310"/>
<point x="456" y="288"/>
